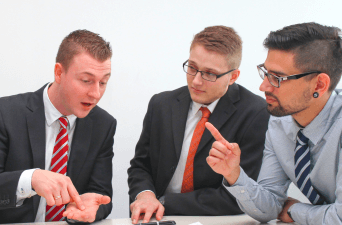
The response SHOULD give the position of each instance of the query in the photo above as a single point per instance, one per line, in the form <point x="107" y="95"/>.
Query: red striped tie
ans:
<point x="59" y="165"/>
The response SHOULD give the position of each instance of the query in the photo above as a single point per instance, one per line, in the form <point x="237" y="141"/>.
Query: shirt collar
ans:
<point x="196" y="106"/>
<point x="316" y="128"/>
<point x="52" y="114"/>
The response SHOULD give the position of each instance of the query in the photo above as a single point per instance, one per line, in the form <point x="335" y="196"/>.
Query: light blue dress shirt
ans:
<point x="264" y="199"/>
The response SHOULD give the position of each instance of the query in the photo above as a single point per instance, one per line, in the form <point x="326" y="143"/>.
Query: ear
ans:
<point x="322" y="83"/>
<point x="234" y="76"/>
<point x="59" y="70"/>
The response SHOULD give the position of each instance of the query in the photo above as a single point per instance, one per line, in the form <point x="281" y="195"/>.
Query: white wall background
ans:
<point x="150" y="41"/>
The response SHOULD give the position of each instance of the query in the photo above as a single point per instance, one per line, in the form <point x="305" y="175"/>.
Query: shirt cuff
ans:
<point x="298" y="210"/>
<point x="142" y="192"/>
<point x="239" y="188"/>
<point x="24" y="188"/>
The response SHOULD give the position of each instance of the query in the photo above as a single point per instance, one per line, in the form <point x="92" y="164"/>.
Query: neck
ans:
<point x="55" y="100"/>
<point x="305" y="117"/>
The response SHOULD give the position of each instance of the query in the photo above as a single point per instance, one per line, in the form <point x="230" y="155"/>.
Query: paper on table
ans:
<point x="197" y="223"/>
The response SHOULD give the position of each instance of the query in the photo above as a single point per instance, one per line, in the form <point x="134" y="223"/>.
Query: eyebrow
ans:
<point x="90" y="74"/>
<point x="209" y="69"/>
<point x="274" y="71"/>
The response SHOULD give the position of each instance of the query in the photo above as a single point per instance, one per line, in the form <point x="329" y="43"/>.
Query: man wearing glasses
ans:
<point x="170" y="158"/>
<point x="303" y="141"/>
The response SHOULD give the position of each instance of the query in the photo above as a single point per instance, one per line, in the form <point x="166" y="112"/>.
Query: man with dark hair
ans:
<point x="170" y="157"/>
<point x="304" y="137"/>
<point x="55" y="143"/>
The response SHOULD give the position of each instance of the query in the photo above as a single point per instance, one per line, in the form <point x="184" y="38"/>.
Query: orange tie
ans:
<point x="188" y="177"/>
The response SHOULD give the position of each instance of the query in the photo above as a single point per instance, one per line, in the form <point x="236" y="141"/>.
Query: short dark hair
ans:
<point x="315" y="47"/>
<point x="223" y="40"/>
<point x="79" y="41"/>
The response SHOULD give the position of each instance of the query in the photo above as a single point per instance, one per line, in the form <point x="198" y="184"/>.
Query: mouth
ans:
<point x="196" y="90"/>
<point x="86" y="104"/>
<point x="270" y="99"/>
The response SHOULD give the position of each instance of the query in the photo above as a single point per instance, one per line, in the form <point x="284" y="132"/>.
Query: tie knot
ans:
<point x="63" y="121"/>
<point x="301" y="138"/>
<point x="205" y="112"/>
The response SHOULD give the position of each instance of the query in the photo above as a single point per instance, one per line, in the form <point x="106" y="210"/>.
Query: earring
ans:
<point x="315" y="94"/>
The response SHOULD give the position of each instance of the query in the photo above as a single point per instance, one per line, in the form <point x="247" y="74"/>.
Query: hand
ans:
<point x="56" y="188"/>
<point x="224" y="157"/>
<point x="283" y="215"/>
<point x="92" y="202"/>
<point x="147" y="203"/>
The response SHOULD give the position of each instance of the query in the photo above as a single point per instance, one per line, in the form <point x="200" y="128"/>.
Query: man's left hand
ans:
<point x="283" y="215"/>
<point x="92" y="202"/>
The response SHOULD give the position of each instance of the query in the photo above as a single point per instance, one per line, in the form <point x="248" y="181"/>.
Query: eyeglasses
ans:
<point x="275" y="80"/>
<point x="205" y="75"/>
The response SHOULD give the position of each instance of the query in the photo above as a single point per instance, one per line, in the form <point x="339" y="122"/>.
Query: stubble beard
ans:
<point x="280" y="110"/>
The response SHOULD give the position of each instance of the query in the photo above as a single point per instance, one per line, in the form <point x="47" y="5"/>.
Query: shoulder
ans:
<point x="169" y="96"/>
<point x="102" y="123"/>
<point x="248" y="97"/>
<point x="14" y="102"/>
<point x="101" y="116"/>
<point x="282" y="124"/>
<point x="246" y="101"/>
<point x="30" y="100"/>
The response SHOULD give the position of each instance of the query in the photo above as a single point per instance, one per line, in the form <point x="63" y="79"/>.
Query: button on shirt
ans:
<point x="264" y="200"/>
<point x="24" y="189"/>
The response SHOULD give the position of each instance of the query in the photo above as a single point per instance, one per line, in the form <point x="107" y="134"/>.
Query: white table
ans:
<point x="182" y="220"/>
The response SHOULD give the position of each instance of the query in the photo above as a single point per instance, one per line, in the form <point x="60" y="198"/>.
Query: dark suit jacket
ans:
<point x="22" y="146"/>
<point x="240" y="116"/>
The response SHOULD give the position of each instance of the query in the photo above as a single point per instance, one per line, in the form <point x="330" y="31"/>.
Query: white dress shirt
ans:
<point x="24" y="189"/>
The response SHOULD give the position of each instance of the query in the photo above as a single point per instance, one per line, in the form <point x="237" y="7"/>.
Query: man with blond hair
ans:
<point x="56" y="145"/>
<point x="169" y="174"/>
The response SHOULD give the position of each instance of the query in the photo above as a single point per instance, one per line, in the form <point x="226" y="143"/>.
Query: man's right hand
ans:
<point x="56" y="188"/>
<point x="224" y="157"/>
<point x="147" y="203"/>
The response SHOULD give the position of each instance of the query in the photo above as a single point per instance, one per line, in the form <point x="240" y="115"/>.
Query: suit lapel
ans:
<point x="180" y="109"/>
<point x="222" y="112"/>
<point x="80" y="147"/>
<point x="36" y="131"/>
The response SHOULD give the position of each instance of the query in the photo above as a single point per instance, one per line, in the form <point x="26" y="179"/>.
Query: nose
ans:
<point x="266" y="86"/>
<point x="198" y="79"/>
<point x="95" y="91"/>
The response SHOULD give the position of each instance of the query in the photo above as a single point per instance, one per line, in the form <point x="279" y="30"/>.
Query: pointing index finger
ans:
<point x="75" y="197"/>
<point x="216" y="134"/>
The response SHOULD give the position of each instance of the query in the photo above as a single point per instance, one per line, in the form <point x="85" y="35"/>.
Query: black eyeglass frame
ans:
<point x="202" y="72"/>
<point x="280" y="79"/>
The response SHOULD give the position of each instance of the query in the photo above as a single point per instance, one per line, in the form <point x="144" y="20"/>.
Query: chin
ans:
<point x="201" y="101"/>
<point x="81" y="115"/>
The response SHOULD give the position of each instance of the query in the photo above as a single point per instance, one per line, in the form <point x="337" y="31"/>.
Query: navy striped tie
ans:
<point x="302" y="171"/>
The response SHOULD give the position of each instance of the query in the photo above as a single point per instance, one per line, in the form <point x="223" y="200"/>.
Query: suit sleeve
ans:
<point x="218" y="201"/>
<point x="8" y="180"/>
<point x="140" y="172"/>
<point x="100" y="180"/>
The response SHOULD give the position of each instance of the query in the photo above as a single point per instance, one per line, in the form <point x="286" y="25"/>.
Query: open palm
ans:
<point x="92" y="202"/>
